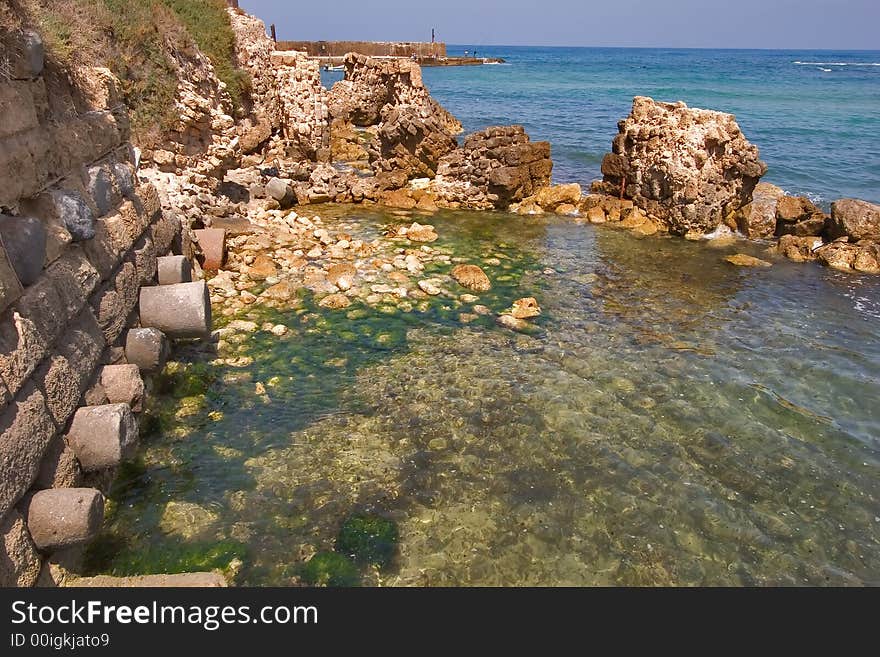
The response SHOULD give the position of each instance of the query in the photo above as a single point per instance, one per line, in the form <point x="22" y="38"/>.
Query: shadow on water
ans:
<point x="676" y="420"/>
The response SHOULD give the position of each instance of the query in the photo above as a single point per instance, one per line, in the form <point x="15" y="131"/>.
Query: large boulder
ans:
<point x="691" y="168"/>
<point x="858" y="220"/>
<point x="410" y="142"/>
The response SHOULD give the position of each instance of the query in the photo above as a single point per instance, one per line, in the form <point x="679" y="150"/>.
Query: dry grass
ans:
<point x="133" y="38"/>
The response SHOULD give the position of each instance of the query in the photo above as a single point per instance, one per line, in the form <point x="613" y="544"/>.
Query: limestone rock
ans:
<point x="335" y="302"/>
<point x="757" y="220"/>
<point x="743" y="260"/>
<point x="262" y="268"/>
<point x="691" y="168"/>
<point x="525" y="308"/>
<point x="472" y="277"/>
<point x="796" y="215"/>
<point x="799" y="249"/>
<point x="421" y="233"/>
<point x="342" y="275"/>
<point x="862" y="257"/>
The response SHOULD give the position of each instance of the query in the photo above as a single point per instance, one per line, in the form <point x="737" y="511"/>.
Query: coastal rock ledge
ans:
<point x="690" y="168"/>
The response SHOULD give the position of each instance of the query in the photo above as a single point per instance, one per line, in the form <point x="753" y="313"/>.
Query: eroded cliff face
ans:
<point x="690" y="168"/>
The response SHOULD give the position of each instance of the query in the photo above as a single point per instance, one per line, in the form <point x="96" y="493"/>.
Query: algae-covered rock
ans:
<point x="331" y="569"/>
<point x="368" y="539"/>
<point x="472" y="277"/>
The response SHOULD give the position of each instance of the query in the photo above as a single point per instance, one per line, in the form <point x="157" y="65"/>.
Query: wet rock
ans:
<point x="862" y="257"/>
<point x="513" y="323"/>
<point x="858" y="220"/>
<point x="690" y="168"/>
<point x="282" y="291"/>
<point x="24" y="240"/>
<point x="550" y="198"/>
<point x="757" y="220"/>
<point x="798" y="216"/>
<point x="428" y="287"/>
<point x="525" y="308"/>
<point x="799" y="249"/>
<point x="742" y="260"/>
<point x="335" y="302"/>
<point x="472" y="277"/>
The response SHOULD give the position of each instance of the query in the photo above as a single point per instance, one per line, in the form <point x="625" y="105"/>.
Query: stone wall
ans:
<point x="368" y="48"/>
<point x="79" y="237"/>
<point x="304" y="115"/>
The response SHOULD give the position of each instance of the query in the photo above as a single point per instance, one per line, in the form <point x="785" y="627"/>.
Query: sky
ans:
<point x="783" y="24"/>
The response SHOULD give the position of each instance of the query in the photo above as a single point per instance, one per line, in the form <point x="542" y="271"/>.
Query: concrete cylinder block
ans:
<point x="63" y="517"/>
<point x="147" y="348"/>
<point x="24" y="239"/>
<point x="174" y="269"/>
<point x="123" y="385"/>
<point x="103" y="436"/>
<point x="28" y="57"/>
<point x="180" y="311"/>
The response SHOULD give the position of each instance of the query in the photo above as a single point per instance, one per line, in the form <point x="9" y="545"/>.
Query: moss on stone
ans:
<point x="331" y="569"/>
<point x="368" y="539"/>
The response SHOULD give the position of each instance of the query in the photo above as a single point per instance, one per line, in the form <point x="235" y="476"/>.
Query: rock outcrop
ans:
<point x="691" y="168"/>
<point x="857" y="220"/>
<point x="757" y="220"/>
<point x="798" y="216"/>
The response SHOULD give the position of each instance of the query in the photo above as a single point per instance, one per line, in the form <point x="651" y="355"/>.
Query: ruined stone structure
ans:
<point x="304" y="115"/>
<point x="80" y="236"/>
<point x="690" y="168"/>
<point x="494" y="168"/>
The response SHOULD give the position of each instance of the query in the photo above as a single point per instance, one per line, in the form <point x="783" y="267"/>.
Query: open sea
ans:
<point x="814" y="115"/>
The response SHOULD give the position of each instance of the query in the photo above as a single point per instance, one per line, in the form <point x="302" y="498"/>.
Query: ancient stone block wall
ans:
<point x="304" y="114"/>
<point x="79" y="236"/>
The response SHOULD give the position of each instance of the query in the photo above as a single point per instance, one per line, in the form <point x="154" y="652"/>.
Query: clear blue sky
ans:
<point x="797" y="24"/>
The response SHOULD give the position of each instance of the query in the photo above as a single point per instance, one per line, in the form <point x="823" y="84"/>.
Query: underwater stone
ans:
<point x="368" y="539"/>
<point x="331" y="569"/>
<point x="103" y="436"/>
<point x="63" y="517"/>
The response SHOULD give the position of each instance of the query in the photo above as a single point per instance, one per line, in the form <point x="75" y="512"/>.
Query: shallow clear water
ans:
<point x="816" y="122"/>
<point x="674" y="420"/>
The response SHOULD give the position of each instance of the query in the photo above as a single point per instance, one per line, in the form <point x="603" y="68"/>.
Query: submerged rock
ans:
<point x="472" y="277"/>
<point x="331" y="569"/>
<point x="335" y="302"/>
<point x="342" y="275"/>
<point x="525" y="308"/>
<point x="421" y="233"/>
<point x="743" y="260"/>
<point x="691" y="168"/>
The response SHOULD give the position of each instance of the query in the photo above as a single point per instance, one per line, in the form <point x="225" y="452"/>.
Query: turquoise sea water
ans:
<point x="814" y="115"/>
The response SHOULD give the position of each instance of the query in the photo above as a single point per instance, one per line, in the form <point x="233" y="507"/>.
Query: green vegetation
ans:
<point x="331" y="569"/>
<point x="108" y="554"/>
<point x="136" y="39"/>
<point x="368" y="539"/>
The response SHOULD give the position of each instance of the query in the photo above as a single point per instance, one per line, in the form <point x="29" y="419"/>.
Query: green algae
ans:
<point x="331" y="569"/>
<point x="368" y="539"/>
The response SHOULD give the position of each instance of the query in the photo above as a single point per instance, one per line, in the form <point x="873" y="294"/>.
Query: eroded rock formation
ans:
<point x="690" y="168"/>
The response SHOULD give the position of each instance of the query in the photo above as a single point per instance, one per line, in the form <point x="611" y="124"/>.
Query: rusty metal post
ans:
<point x="272" y="27"/>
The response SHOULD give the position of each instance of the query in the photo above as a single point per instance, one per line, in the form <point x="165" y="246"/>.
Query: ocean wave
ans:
<point x="836" y="63"/>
